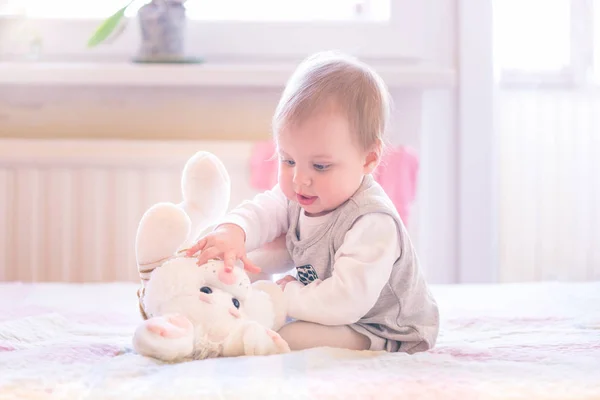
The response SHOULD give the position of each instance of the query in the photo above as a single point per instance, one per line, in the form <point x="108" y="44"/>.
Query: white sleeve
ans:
<point x="263" y="218"/>
<point x="362" y="266"/>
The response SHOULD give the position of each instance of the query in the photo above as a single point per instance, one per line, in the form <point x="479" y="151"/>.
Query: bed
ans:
<point x="512" y="341"/>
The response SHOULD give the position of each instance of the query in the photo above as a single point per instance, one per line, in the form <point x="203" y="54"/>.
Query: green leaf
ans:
<point x="108" y="26"/>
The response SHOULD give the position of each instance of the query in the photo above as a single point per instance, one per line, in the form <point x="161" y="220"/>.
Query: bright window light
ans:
<point x="213" y="10"/>
<point x="596" y="40"/>
<point x="532" y="35"/>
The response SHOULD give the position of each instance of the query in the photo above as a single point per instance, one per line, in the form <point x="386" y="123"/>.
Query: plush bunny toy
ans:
<point x="197" y="312"/>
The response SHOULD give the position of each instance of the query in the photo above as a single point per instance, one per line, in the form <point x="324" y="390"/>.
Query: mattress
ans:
<point x="513" y="341"/>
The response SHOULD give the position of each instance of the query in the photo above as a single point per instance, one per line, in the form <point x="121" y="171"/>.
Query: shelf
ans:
<point x="190" y="75"/>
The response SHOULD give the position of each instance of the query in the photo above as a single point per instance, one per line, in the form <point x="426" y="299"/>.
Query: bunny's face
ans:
<point x="207" y="295"/>
<point x="235" y="282"/>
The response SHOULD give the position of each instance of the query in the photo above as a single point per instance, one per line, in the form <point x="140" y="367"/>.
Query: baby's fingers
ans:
<point x="196" y="248"/>
<point x="208" y="254"/>
<point x="286" y="279"/>
<point x="250" y="266"/>
<point x="229" y="261"/>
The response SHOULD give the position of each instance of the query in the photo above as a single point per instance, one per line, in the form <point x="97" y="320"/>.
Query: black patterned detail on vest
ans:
<point x="306" y="274"/>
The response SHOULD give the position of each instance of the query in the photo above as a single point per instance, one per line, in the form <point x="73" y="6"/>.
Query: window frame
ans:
<point x="241" y="41"/>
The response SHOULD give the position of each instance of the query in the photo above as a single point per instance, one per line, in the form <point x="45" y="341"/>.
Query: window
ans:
<point x="533" y="35"/>
<point x="230" y="29"/>
<point x="214" y="10"/>
<point x="596" y="41"/>
<point x="547" y="41"/>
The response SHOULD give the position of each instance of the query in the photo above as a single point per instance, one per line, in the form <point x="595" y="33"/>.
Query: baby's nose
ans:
<point x="301" y="179"/>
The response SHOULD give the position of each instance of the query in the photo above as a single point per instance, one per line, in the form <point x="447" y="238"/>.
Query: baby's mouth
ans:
<point x="305" y="200"/>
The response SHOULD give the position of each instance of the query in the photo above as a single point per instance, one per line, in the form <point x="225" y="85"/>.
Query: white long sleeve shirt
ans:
<point x="362" y="265"/>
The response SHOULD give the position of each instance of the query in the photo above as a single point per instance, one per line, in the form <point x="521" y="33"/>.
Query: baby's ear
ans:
<point x="373" y="157"/>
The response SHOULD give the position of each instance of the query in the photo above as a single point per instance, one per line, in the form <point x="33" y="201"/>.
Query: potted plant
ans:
<point x="162" y="28"/>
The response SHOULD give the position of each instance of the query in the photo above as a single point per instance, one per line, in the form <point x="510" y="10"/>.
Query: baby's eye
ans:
<point x="236" y="302"/>
<point x="320" y="167"/>
<point x="206" y="289"/>
<point x="291" y="163"/>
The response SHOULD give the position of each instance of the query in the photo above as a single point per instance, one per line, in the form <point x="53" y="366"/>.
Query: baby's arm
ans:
<point x="250" y="225"/>
<point x="263" y="218"/>
<point x="362" y="267"/>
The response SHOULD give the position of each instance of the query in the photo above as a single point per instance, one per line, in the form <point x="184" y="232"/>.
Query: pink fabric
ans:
<point x="397" y="174"/>
<point x="263" y="166"/>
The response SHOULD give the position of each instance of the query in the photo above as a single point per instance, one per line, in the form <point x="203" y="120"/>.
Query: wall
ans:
<point x="136" y="113"/>
<point x="70" y="209"/>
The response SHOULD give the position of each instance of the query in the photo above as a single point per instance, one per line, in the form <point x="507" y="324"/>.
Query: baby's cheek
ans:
<point x="333" y="194"/>
<point x="286" y="185"/>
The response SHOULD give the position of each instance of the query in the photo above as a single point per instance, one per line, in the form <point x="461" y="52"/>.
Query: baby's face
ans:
<point x="321" y="164"/>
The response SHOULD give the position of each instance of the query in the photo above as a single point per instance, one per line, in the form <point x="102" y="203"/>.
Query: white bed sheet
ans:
<point x="519" y="341"/>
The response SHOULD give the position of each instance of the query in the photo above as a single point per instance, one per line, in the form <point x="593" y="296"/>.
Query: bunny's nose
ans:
<point x="227" y="278"/>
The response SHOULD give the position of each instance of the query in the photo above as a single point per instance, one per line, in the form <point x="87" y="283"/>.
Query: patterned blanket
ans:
<point x="520" y="341"/>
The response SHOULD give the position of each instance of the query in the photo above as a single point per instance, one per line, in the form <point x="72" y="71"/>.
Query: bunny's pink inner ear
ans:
<point x="263" y="166"/>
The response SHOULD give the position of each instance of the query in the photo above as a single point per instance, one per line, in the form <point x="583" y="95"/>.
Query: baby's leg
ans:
<point x="302" y="335"/>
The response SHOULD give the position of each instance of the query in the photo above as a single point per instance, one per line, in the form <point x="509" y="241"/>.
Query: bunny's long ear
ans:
<point x="206" y="190"/>
<point x="162" y="230"/>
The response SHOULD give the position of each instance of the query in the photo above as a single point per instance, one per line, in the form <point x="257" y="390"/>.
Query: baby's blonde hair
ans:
<point x="332" y="79"/>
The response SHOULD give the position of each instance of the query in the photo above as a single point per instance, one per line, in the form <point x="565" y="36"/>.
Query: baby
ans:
<point x="358" y="283"/>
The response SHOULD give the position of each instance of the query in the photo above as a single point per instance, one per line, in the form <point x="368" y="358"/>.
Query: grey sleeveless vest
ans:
<point x="405" y="316"/>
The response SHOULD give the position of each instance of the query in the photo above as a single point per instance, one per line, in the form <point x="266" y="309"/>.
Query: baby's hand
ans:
<point x="285" y="280"/>
<point x="227" y="242"/>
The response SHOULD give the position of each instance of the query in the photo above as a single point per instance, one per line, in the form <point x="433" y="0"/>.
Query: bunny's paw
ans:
<point x="167" y="338"/>
<point x="261" y="341"/>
